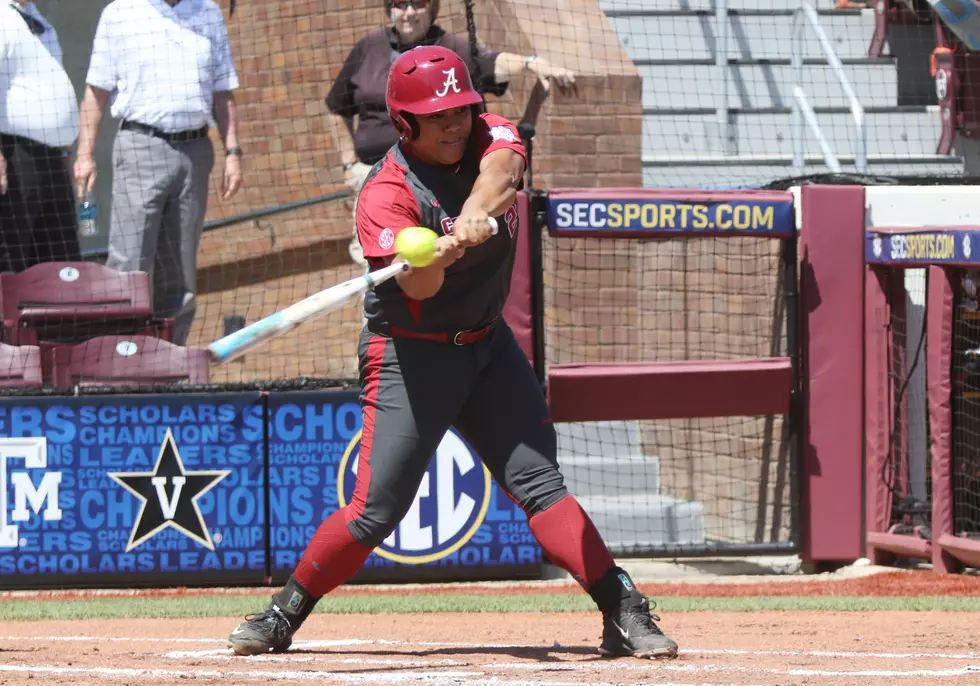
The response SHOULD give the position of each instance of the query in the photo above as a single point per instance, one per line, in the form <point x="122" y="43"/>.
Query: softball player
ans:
<point x="435" y="352"/>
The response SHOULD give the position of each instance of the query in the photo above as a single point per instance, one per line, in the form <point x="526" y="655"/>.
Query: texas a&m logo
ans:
<point x="39" y="497"/>
<point x="511" y="218"/>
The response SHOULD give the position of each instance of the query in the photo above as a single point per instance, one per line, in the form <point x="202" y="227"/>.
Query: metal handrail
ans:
<point x="274" y="209"/>
<point x="801" y="106"/>
<point x="721" y="62"/>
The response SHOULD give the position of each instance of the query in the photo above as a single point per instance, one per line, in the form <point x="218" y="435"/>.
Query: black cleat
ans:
<point x="268" y="631"/>
<point x="632" y="631"/>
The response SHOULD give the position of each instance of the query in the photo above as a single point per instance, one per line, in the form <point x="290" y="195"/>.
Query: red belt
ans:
<point x="458" y="338"/>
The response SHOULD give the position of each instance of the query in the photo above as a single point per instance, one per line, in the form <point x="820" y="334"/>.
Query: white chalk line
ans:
<point x="618" y="665"/>
<point x="446" y="677"/>
<point x="311" y="644"/>
<point x="742" y="669"/>
<point x="434" y="678"/>
<point x="222" y="641"/>
<point x="228" y="656"/>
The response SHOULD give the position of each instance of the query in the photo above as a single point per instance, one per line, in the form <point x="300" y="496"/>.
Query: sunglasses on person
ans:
<point x="405" y="4"/>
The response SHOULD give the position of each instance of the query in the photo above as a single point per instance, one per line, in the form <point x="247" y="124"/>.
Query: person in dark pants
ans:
<point x="38" y="121"/>
<point x="435" y="353"/>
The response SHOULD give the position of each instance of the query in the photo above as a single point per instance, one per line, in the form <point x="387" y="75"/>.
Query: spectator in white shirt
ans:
<point x="38" y="122"/>
<point x="167" y="67"/>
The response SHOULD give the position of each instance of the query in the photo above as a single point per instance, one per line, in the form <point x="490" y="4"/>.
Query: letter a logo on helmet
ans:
<point x="426" y="80"/>
<point x="450" y="83"/>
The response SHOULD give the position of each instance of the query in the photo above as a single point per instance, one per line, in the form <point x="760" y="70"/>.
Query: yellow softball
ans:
<point x="416" y="245"/>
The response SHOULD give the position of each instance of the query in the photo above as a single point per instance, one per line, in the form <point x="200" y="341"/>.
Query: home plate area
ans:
<point x="774" y="648"/>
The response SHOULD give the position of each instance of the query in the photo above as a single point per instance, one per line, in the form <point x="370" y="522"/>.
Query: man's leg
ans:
<point x="18" y="206"/>
<point x="143" y="172"/>
<point x="56" y="226"/>
<point x="405" y="415"/>
<point x="175" y="281"/>
<point x="506" y="420"/>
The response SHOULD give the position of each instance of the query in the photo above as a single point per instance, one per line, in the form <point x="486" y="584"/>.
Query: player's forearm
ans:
<point x="93" y="108"/>
<point x="494" y="191"/>
<point x="422" y="283"/>
<point x="226" y="114"/>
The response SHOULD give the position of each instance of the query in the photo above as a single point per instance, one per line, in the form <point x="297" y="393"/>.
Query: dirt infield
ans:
<point x="777" y="649"/>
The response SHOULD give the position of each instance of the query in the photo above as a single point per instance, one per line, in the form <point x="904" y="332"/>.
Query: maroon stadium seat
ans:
<point x="122" y="360"/>
<point x="20" y="366"/>
<point x="72" y="301"/>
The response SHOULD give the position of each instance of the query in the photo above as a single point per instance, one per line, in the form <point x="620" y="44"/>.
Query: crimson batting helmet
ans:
<point x="426" y="80"/>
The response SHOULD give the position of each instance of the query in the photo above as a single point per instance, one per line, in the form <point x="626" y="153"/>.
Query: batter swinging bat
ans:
<point x="330" y="299"/>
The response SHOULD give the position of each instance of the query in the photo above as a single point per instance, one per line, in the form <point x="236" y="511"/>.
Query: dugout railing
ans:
<point x="667" y="340"/>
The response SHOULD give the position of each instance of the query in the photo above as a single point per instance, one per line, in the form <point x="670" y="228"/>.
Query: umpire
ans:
<point x="167" y="66"/>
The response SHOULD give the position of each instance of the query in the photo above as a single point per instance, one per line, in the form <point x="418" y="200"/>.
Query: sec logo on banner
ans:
<point x="449" y="506"/>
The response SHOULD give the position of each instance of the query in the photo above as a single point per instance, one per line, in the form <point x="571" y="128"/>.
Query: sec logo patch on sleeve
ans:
<point x="386" y="239"/>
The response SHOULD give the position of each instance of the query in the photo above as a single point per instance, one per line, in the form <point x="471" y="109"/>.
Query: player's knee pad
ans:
<point x="371" y="530"/>
<point x="542" y="493"/>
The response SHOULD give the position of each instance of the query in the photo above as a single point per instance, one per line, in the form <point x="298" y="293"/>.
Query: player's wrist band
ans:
<point x="236" y="151"/>
<point x="528" y="60"/>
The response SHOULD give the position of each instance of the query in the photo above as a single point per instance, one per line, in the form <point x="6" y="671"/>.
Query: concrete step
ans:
<point x="593" y="476"/>
<point x="823" y="7"/>
<point x="695" y="35"/>
<point x="633" y="519"/>
<point x="599" y="439"/>
<point x="755" y="84"/>
<point x="890" y="131"/>
<point x="749" y="171"/>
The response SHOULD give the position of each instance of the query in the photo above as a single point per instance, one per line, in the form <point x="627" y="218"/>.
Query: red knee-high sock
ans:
<point x="331" y="558"/>
<point x="571" y="541"/>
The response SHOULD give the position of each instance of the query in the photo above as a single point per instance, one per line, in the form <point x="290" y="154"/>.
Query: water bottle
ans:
<point x="88" y="215"/>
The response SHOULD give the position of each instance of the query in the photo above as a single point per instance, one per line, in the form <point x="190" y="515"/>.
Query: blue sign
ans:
<point x="625" y="216"/>
<point x="460" y="517"/>
<point x="132" y="488"/>
<point x="919" y="247"/>
<point x="308" y="435"/>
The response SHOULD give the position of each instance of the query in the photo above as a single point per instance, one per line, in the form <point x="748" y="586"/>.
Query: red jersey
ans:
<point x="402" y="191"/>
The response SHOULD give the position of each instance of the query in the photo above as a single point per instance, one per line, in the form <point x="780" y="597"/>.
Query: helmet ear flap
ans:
<point x="406" y="125"/>
<point x="413" y="125"/>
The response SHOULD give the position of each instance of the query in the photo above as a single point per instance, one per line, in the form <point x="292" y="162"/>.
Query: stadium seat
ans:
<point x="122" y="360"/>
<point x="72" y="301"/>
<point x="20" y="366"/>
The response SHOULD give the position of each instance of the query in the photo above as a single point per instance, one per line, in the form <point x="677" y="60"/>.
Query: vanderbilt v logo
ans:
<point x="168" y="505"/>
<point x="168" y="497"/>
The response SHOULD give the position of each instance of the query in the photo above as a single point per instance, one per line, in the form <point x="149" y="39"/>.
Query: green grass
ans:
<point x="236" y="606"/>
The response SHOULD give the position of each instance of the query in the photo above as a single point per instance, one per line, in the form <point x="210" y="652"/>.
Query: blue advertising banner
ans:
<point x="923" y="247"/>
<point x="132" y="490"/>
<point x="604" y="216"/>
<point x="460" y="525"/>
